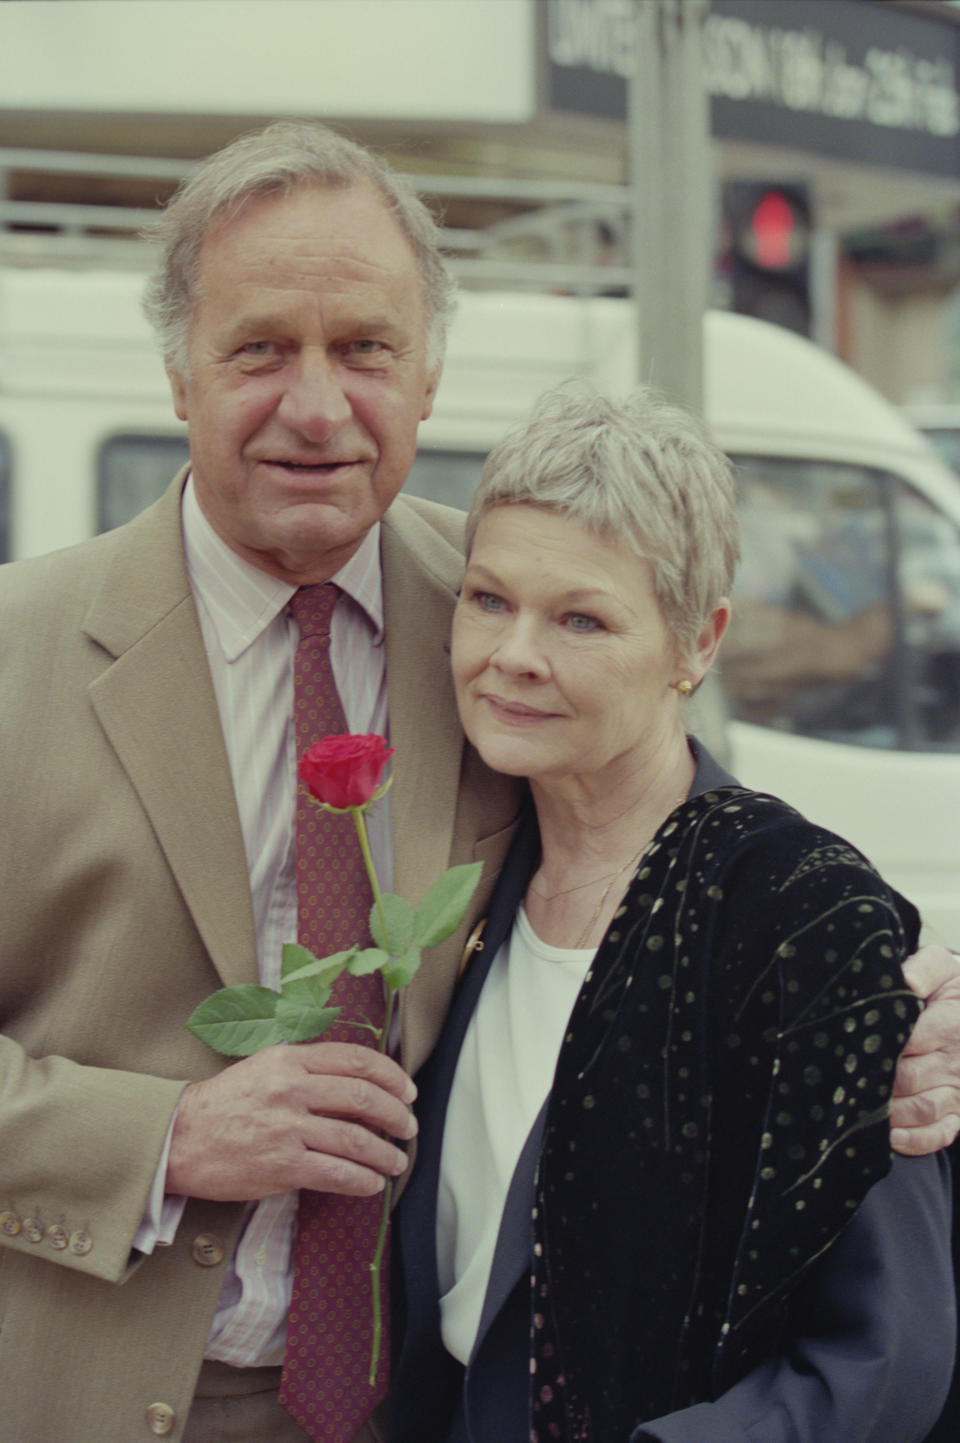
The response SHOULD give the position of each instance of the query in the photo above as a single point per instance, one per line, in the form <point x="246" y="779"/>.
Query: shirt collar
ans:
<point x="242" y="601"/>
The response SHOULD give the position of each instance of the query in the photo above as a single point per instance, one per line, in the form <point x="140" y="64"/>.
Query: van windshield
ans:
<point x="846" y="608"/>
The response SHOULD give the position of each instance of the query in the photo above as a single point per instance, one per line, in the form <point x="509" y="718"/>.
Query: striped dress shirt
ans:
<point x="250" y="641"/>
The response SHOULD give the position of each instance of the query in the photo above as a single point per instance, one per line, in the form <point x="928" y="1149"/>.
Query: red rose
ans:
<point x="344" y="771"/>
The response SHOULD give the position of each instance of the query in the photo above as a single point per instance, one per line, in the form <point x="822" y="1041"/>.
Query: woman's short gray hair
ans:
<point x="640" y="469"/>
<point x="276" y="160"/>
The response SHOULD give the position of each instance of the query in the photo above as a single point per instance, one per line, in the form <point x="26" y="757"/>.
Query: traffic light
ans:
<point x="769" y="230"/>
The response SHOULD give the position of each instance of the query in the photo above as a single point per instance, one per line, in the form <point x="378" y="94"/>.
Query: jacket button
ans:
<point x="80" y="1242"/>
<point x="161" y="1419"/>
<point x="208" y="1250"/>
<point x="33" y="1230"/>
<point x="10" y="1224"/>
<point x="57" y="1236"/>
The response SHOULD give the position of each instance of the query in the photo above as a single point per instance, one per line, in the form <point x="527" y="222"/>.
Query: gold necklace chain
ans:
<point x="565" y="891"/>
<point x="605" y="894"/>
<point x="614" y="876"/>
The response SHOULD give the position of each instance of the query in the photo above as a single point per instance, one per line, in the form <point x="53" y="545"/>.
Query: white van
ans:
<point x="841" y="674"/>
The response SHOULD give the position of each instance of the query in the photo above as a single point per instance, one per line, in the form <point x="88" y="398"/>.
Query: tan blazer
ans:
<point x="126" y="903"/>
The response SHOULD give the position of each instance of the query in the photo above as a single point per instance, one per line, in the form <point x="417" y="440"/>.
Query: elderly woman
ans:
<point x="654" y="1196"/>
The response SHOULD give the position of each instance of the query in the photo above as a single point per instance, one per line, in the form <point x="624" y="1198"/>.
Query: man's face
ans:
<point x="307" y="376"/>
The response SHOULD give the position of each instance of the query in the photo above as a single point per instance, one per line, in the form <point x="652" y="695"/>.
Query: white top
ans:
<point x="504" y="1073"/>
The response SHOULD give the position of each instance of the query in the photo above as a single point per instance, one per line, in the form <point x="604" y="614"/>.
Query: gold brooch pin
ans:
<point x="474" y="944"/>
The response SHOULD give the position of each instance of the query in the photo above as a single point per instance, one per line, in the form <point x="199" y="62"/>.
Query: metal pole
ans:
<point x="673" y="223"/>
<point x="670" y="175"/>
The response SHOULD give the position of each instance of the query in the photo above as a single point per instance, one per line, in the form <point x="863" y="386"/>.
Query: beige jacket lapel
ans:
<point x="157" y="707"/>
<point x="421" y="573"/>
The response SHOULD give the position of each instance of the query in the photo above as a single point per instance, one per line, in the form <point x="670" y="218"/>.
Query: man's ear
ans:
<point x="429" y="395"/>
<point x="178" y="388"/>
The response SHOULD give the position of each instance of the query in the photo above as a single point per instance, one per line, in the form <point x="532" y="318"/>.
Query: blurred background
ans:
<point x="834" y="140"/>
<point x="606" y="172"/>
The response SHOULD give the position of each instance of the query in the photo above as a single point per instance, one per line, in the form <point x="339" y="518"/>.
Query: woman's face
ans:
<point x="562" y="660"/>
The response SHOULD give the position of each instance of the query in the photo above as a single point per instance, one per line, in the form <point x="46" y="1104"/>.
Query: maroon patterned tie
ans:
<point x="325" y="1373"/>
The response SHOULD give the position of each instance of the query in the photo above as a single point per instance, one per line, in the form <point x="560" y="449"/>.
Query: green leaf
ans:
<point x="307" y="990"/>
<point x="293" y="957"/>
<point x="370" y="959"/>
<point x="300" y="1019"/>
<point x="399" y="917"/>
<point x="324" y="969"/>
<point x="400" y="971"/>
<point x="445" y="905"/>
<point x="237" y="1021"/>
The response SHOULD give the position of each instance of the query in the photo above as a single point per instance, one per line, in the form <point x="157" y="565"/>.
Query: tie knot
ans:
<point x="312" y="608"/>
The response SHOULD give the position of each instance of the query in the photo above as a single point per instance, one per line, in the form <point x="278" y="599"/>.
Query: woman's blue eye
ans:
<point x="487" y="601"/>
<point x="579" y="621"/>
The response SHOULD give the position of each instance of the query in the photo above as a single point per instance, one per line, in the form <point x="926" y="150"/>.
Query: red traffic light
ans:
<point x="775" y="235"/>
<point x="773" y="227"/>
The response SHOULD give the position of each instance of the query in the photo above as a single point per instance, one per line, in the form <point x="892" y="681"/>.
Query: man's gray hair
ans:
<point x="640" y="469"/>
<point x="274" y="161"/>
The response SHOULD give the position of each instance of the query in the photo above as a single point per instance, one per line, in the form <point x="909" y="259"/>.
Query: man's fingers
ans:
<point x="925" y="1071"/>
<point x="920" y="1108"/>
<point x="357" y="1100"/>
<point x="320" y="1173"/>
<point x="925" y="1110"/>
<point x="937" y="1030"/>
<point x="346" y="1081"/>
<point x="929" y="969"/>
<point x="919" y="1141"/>
<point x="350" y="1059"/>
<point x="345" y="1157"/>
<point x="308" y="1115"/>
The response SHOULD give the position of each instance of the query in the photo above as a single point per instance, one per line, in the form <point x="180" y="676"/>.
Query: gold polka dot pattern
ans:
<point x="718" y="1111"/>
<point x="325" y="1374"/>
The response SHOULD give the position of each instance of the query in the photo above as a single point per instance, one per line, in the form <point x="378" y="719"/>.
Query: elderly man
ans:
<point x="149" y="1194"/>
<point x="153" y="681"/>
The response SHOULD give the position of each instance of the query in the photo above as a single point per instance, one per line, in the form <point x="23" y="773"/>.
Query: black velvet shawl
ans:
<point x="718" y="1113"/>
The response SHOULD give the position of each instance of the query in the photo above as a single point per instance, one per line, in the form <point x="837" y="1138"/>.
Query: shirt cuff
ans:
<point x="163" y="1211"/>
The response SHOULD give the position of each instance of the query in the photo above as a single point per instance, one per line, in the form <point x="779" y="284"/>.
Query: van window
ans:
<point x="946" y="440"/>
<point x="132" y="472"/>
<point x="846" y="608"/>
<point x="447" y="476"/>
<point x="4" y="498"/>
